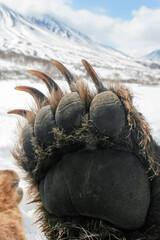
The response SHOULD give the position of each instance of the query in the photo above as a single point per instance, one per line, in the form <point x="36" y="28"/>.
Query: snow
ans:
<point x="146" y="100"/>
<point x="12" y="99"/>
<point x="53" y="25"/>
<point x="20" y="35"/>
<point x="153" y="56"/>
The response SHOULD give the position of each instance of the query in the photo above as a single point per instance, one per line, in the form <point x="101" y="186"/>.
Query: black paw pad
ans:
<point x="69" y="112"/>
<point x="44" y="124"/>
<point x="27" y="137"/>
<point x="107" y="113"/>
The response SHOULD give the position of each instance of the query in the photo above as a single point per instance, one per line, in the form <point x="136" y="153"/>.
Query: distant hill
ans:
<point x="153" y="56"/>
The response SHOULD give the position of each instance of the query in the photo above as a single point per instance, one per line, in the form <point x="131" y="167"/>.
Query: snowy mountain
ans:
<point x="31" y="36"/>
<point x="153" y="56"/>
<point x="53" y="25"/>
<point x="31" y="43"/>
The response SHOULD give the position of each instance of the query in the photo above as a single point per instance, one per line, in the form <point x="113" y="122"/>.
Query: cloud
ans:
<point x="141" y="34"/>
<point x="36" y="6"/>
<point x="136" y="37"/>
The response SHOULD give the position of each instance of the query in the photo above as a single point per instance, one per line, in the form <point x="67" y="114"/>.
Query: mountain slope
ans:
<point x="53" y="25"/>
<point x="30" y="36"/>
<point x="153" y="56"/>
<point x="31" y="46"/>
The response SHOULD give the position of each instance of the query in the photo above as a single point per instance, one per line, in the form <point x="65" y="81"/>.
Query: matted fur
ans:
<point x="135" y="137"/>
<point x="11" y="223"/>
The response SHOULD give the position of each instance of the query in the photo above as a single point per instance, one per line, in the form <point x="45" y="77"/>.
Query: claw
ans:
<point x="38" y="96"/>
<point x="68" y="76"/>
<point x="21" y="112"/>
<point x="50" y="83"/>
<point x="98" y="84"/>
<point x="29" y="115"/>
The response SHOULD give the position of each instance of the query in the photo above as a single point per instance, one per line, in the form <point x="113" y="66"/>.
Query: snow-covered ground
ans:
<point x="10" y="99"/>
<point x="146" y="99"/>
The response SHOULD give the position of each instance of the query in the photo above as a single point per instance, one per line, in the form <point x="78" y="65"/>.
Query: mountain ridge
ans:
<point x="153" y="56"/>
<point x="45" y="23"/>
<point x="22" y="42"/>
<point x="52" y="24"/>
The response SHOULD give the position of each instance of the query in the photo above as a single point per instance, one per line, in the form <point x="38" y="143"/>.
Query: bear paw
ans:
<point x="91" y="158"/>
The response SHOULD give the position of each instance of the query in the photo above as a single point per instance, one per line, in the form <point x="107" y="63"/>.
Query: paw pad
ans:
<point x="69" y="112"/>
<point x="44" y="124"/>
<point x="107" y="113"/>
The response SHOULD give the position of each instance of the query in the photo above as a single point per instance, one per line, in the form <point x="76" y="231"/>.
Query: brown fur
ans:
<point x="55" y="98"/>
<point x="135" y="137"/>
<point x="11" y="225"/>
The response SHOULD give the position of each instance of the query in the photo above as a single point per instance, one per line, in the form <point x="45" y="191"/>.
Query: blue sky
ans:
<point x="114" y="8"/>
<point x="132" y="27"/>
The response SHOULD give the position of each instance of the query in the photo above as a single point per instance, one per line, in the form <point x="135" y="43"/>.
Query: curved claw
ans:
<point x="68" y="76"/>
<point x="38" y="96"/>
<point x="50" y="83"/>
<point x="29" y="115"/>
<point x="21" y="112"/>
<point x="98" y="84"/>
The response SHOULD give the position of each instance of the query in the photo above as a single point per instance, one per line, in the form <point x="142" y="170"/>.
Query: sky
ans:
<point x="132" y="27"/>
<point x="114" y="8"/>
